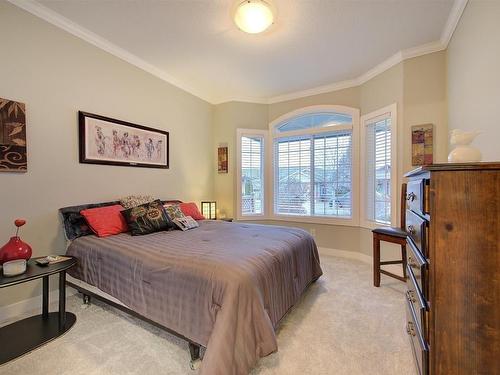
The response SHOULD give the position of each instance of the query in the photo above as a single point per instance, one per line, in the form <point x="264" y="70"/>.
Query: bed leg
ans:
<point x="194" y="351"/>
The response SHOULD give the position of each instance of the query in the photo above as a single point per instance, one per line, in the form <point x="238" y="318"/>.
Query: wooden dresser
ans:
<point x="453" y="257"/>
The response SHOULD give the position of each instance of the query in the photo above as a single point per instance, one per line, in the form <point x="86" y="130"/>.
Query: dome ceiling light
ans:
<point x="253" y="16"/>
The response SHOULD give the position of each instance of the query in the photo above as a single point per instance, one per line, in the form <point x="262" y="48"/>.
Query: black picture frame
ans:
<point x="106" y="140"/>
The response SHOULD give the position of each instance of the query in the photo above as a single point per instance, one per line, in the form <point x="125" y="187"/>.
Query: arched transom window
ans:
<point x="313" y="163"/>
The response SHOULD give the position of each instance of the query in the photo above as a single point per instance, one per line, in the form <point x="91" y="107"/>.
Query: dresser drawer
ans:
<point x="416" y="227"/>
<point x="416" y="196"/>
<point x="415" y="296"/>
<point x="417" y="264"/>
<point x="419" y="347"/>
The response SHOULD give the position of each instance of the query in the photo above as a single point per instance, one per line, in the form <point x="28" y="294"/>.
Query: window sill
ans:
<point x="373" y="224"/>
<point x="252" y="218"/>
<point x="315" y="220"/>
<point x="350" y="222"/>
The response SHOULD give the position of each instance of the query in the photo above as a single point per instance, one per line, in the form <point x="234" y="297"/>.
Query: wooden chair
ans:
<point x="393" y="235"/>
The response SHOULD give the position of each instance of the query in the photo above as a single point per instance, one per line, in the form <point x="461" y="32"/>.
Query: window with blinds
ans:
<point x="313" y="174"/>
<point x="378" y="170"/>
<point x="252" y="175"/>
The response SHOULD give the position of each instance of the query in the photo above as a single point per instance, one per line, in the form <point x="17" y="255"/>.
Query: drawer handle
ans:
<point x="410" y="329"/>
<point x="411" y="197"/>
<point x="411" y="296"/>
<point x="412" y="230"/>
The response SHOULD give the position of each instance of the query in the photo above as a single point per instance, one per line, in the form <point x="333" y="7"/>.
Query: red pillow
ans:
<point x="105" y="221"/>
<point x="191" y="209"/>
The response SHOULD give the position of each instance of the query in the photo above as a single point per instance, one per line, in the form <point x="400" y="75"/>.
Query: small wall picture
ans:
<point x="13" y="155"/>
<point x="422" y="141"/>
<point x="104" y="140"/>
<point x="222" y="159"/>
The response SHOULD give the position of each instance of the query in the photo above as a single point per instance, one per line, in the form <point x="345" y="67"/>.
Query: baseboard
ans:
<point x="29" y="305"/>
<point x="325" y="251"/>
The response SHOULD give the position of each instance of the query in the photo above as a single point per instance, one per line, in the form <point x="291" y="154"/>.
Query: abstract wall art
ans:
<point x="13" y="155"/>
<point x="422" y="144"/>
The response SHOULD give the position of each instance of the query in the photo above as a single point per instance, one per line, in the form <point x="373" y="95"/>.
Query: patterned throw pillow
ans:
<point x="174" y="211"/>
<point x="74" y="223"/>
<point x="135" y="200"/>
<point x="147" y="218"/>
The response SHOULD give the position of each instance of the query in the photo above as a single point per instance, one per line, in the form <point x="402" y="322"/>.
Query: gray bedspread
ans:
<point x="223" y="285"/>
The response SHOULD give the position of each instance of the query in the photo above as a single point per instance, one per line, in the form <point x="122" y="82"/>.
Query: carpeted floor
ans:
<point x="343" y="325"/>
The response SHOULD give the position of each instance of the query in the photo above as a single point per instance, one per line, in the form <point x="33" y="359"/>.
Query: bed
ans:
<point x="224" y="286"/>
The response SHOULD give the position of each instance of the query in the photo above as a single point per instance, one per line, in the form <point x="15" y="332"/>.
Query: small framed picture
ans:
<point x="422" y="144"/>
<point x="222" y="159"/>
<point x="104" y="140"/>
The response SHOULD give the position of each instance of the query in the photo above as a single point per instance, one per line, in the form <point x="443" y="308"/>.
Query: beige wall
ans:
<point x="425" y="102"/>
<point x="56" y="75"/>
<point x="379" y="92"/>
<point x="416" y="85"/>
<point x="474" y="75"/>
<point x="227" y="118"/>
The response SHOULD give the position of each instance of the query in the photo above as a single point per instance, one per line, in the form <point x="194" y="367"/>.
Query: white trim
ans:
<point x="355" y="114"/>
<point x="385" y="65"/>
<point x="29" y="305"/>
<point x="398" y="57"/>
<point x="452" y="22"/>
<point x="326" y="220"/>
<point x="311" y="131"/>
<point x="265" y="138"/>
<point x="73" y="28"/>
<point x="392" y="111"/>
<point x="313" y="109"/>
<point x="356" y="255"/>
<point x="336" y="86"/>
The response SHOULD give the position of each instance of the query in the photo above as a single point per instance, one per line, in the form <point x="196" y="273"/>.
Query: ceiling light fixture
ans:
<point x="253" y="16"/>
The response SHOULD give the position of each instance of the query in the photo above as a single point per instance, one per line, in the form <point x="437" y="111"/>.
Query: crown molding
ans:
<point x="62" y="22"/>
<point x="365" y="77"/>
<point x="452" y="23"/>
<point x="436" y="46"/>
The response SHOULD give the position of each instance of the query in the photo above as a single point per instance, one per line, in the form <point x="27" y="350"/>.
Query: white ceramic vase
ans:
<point x="463" y="151"/>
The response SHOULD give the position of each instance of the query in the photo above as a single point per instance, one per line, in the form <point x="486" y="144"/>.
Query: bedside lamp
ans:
<point x="209" y="209"/>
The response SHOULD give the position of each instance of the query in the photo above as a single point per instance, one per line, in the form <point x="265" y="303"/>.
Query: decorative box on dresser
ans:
<point x="453" y="265"/>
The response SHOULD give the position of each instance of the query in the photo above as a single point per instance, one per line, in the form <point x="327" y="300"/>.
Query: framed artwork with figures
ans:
<point x="13" y="155"/>
<point x="105" y="140"/>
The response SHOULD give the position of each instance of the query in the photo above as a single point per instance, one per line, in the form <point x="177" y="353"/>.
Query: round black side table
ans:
<point x="23" y="336"/>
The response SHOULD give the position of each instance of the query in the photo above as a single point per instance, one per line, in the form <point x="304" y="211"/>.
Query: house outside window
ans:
<point x="379" y="168"/>
<point x="251" y="172"/>
<point x="314" y="154"/>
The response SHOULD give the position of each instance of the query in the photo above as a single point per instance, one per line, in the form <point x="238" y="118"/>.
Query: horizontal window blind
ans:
<point x="332" y="174"/>
<point x="378" y="171"/>
<point x="292" y="194"/>
<point x="313" y="175"/>
<point x="252" y="175"/>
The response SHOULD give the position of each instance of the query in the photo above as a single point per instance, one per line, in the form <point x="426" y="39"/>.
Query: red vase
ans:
<point x="14" y="249"/>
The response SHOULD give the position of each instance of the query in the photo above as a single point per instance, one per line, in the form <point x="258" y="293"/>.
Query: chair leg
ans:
<point x="376" y="260"/>
<point x="403" y="253"/>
